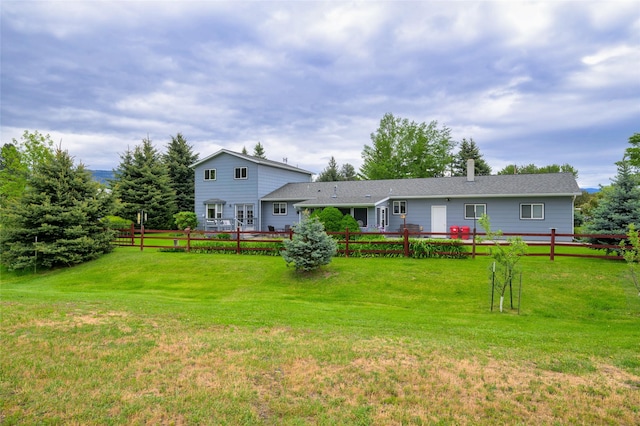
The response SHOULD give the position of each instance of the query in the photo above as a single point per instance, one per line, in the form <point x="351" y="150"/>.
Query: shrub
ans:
<point x="348" y="221"/>
<point x="331" y="218"/>
<point x="116" y="222"/>
<point x="310" y="246"/>
<point x="184" y="220"/>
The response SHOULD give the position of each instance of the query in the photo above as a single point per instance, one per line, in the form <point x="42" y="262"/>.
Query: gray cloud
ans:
<point x="541" y="82"/>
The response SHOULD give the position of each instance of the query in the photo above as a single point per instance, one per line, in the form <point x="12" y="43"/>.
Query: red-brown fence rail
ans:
<point x="350" y="243"/>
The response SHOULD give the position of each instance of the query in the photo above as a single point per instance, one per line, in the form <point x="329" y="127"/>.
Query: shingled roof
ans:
<point x="253" y="159"/>
<point x="372" y="192"/>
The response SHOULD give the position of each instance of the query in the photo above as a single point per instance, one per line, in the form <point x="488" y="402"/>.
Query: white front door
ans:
<point x="439" y="220"/>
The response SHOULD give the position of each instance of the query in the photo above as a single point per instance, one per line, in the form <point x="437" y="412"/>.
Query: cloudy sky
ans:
<point x="531" y="82"/>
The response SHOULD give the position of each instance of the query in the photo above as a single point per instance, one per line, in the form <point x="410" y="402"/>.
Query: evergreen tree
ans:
<point x="330" y="173"/>
<point x="142" y="183"/>
<point x="258" y="151"/>
<point x="310" y="247"/>
<point x="469" y="151"/>
<point x="178" y="161"/>
<point x="244" y="151"/>
<point x="348" y="172"/>
<point x="618" y="208"/>
<point x="62" y="209"/>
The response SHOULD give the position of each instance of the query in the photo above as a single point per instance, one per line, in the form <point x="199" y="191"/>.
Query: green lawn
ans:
<point x="151" y="337"/>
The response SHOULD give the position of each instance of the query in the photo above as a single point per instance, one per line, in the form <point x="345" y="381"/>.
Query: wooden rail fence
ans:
<point x="239" y="241"/>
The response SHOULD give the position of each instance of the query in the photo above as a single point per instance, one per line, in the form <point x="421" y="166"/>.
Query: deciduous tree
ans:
<point x="529" y="169"/>
<point x="405" y="149"/>
<point x="633" y="152"/>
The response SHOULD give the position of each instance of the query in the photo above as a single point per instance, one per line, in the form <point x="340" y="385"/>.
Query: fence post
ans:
<point x="473" y="244"/>
<point x="238" y="240"/>
<point x="552" y="248"/>
<point x="188" y="240"/>
<point x="141" y="237"/>
<point x="406" y="242"/>
<point x="346" y="238"/>
<point x="132" y="232"/>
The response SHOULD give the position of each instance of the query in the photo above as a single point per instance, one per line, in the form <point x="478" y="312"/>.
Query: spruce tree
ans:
<point x="178" y="161"/>
<point x="330" y="173"/>
<point x="258" y="151"/>
<point x="469" y="151"/>
<point x="57" y="220"/>
<point x="618" y="208"/>
<point x="142" y="184"/>
<point x="310" y="246"/>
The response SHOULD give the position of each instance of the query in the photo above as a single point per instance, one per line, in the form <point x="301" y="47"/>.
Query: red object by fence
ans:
<point x="454" y="231"/>
<point x="464" y="232"/>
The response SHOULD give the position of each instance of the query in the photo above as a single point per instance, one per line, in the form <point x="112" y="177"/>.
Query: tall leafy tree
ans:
<point x="469" y="151"/>
<point x="633" y="152"/>
<point x="258" y="151"/>
<point x="57" y="220"/>
<point x="618" y="208"/>
<point x="406" y="149"/>
<point x="178" y="160"/>
<point x="141" y="183"/>
<point x="18" y="160"/>
<point x="528" y="169"/>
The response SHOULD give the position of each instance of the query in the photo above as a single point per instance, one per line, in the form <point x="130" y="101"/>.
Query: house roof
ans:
<point x="372" y="192"/>
<point x="253" y="159"/>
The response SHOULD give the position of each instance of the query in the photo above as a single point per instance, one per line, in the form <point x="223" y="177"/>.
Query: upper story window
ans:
<point x="240" y="173"/>
<point x="474" y="211"/>
<point x="532" y="211"/>
<point x="399" y="207"/>
<point x="279" y="208"/>
<point x="210" y="174"/>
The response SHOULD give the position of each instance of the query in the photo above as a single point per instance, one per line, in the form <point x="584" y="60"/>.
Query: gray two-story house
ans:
<point x="259" y="194"/>
<point x="229" y="187"/>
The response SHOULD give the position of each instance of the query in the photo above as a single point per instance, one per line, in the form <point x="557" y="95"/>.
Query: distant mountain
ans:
<point x="591" y="190"/>
<point x="102" y="176"/>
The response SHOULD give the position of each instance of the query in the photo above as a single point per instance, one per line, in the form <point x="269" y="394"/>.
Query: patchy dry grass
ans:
<point x="86" y="354"/>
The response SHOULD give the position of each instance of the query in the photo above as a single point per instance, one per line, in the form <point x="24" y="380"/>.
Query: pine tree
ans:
<point x="310" y="246"/>
<point x="469" y="151"/>
<point x="258" y="151"/>
<point x="62" y="209"/>
<point x="142" y="184"/>
<point x="618" y="208"/>
<point x="330" y="173"/>
<point x="178" y="160"/>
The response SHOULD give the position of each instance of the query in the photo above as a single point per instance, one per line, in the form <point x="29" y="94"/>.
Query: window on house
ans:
<point x="214" y="211"/>
<point x="241" y="173"/>
<point x="399" y="207"/>
<point x="532" y="211"/>
<point x="279" y="208"/>
<point x="210" y="174"/>
<point x="474" y="211"/>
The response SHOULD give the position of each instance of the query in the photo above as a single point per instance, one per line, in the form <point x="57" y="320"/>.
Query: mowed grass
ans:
<point x="175" y="338"/>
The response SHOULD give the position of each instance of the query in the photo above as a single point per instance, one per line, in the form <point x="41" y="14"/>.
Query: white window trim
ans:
<point x="215" y="174"/>
<point x="246" y="173"/>
<point x="531" y="207"/>
<point x="399" y="203"/>
<point x="273" y="211"/>
<point x="476" y="210"/>
<point x="219" y="208"/>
